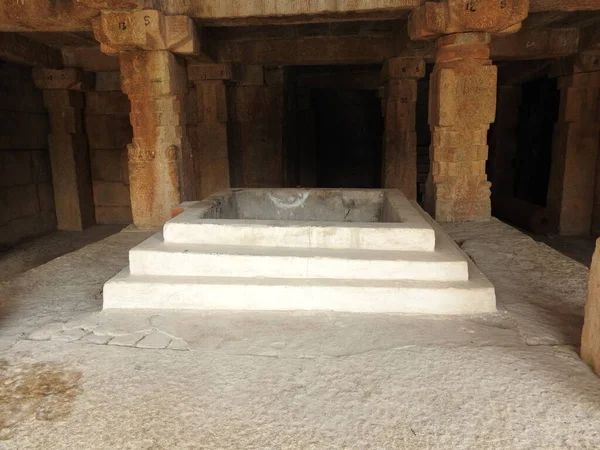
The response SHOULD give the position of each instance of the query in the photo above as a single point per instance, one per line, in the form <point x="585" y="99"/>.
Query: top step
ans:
<point x="365" y="219"/>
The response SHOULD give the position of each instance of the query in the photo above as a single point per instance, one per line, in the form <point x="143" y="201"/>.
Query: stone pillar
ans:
<point x="159" y="156"/>
<point x="462" y="100"/>
<point x="255" y="109"/>
<point x="69" y="154"/>
<point x="503" y="140"/>
<point x="590" y="338"/>
<point x="462" y="104"/>
<point x="155" y="80"/>
<point x="575" y="148"/>
<point x="399" y="77"/>
<point x="210" y="148"/>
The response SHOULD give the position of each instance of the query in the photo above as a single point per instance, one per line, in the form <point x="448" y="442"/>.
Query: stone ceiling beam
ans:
<point x="563" y="5"/>
<point x="45" y="15"/>
<point x="211" y="10"/>
<point x="22" y="50"/>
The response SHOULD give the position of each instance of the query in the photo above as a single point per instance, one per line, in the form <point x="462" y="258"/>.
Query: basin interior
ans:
<point x="306" y="205"/>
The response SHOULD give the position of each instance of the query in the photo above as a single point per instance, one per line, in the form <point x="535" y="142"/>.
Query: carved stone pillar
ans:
<point x="462" y="100"/>
<point x="69" y="153"/>
<point x="159" y="155"/>
<point x="575" y="147"/>
<point x="155" y="80"/>
<point x="399" y="160"/>
<point x="462" y="104"/>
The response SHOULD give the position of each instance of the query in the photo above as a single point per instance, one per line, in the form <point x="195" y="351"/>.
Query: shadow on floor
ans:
<point x="30" y="254"/>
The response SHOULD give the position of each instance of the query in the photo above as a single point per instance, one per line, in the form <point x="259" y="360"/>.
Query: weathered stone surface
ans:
<point x="458" y="16"/>
<point x="108" y="81"/>
<point x="403" y="68"/>
<point x="108" y="131"/>
<point x="109" y="102"/>
<point x="251" y="75"/>
<point x="156" y="339"/>
<point x="69" y="157"/>
<point x="400" y="139"/>
<point x="111" y="194"/>
<point x="145" y="30"/>
<point x="72" y="79"/>
<point x="590" y="338"/>
<point x="571" y="190"/>
<point x="160" y="161"/>
<point x="46" y="332"/>
<point x="462" y="105"/>
<point x="210" y="72"/>
<point x="113" y="214"/>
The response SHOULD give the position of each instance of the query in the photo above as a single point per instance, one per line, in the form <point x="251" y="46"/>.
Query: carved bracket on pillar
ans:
<point x="458" y="16"/>
<point x="146" y="30"/>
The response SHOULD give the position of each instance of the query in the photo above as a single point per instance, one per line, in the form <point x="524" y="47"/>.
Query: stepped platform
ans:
<point x="302" y="249"/>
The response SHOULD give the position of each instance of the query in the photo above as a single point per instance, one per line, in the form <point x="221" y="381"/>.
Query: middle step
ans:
<point x="156" y="257"/>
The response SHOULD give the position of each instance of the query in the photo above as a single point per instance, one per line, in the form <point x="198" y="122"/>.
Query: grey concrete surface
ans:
<point x="72" y="376"/>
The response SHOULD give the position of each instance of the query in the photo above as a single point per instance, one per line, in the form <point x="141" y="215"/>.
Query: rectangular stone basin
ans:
<point x="304" y="218"/>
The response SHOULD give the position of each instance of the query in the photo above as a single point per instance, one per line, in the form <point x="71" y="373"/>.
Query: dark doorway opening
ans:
<point x="333" y="127"/>
<point x="348" y="133"/>
<point x="538" y="113"/>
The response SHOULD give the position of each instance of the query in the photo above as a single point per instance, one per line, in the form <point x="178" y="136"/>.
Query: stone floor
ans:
<point x="74" y="377"/>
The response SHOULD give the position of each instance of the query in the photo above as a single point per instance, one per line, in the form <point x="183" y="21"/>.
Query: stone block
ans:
<point x="274" y="76"/>
<point x="251" y="75"/>
<point x="15" y="168"/>
<point x="255" y="103"/>
<point x="167" y="74"/>
<point x="212" y="102"/>
<point x="590" y="338"/>
<point x="457" y="16"/>
<point x="70" y="78"/>
<point x="23" y="131"/>
<point x="109" y="102"/>
<point x="199" y="72"/>
<point x="403" y="68"/>
<point x="110" y="194"/>
<point x="211" y="159"/>
<point x="40" y="164"/>
<point x="108" y="131"/>
<point x="45" y="197"/>
<point x="36" y="225"/>
<point x="107" y="164"/>
<point x="108" y="81"/>
<point x="145" y="30"/>
<point x="113" y="215"/>
<point x="61" y="99"/>
<point x="480" y="102"/>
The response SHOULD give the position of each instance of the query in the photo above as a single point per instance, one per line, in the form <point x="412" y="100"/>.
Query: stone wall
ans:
<point x="109" y="131"/>
<point x="26" y="195"/>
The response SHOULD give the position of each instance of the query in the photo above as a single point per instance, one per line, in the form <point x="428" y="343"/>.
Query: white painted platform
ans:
<point x="198" y="265"/>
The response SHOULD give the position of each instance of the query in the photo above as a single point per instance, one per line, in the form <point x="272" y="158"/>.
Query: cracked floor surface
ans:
<point x="74" y="377"/>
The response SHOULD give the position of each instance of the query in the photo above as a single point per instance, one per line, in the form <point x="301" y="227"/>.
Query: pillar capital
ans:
<point x="69" y="79"/>
<point x="147" y="29"/>
<point x="432" y="20"/>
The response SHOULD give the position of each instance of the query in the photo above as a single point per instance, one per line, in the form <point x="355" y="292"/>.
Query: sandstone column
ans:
<point x="155" y="80"/>
<point x="69" y="154"/>
<point x="590" y="338"/>
<point x="575" y="147"/>
<point x="210" y="146"/>
<point x="399" y="77"/>
<point x="462" y="100"/>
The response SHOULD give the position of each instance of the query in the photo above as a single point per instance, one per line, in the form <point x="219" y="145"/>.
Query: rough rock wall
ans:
<point x="26" y="196"/>
<point x="109" y="131"/>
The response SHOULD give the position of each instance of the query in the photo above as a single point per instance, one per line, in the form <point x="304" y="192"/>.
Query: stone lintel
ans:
<point x="70" y="79"/>
<point x="458" y="16"/>
<point x="201" y="72"/>
<point x="576" y="64"/>
<point x="146" y="30"/>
